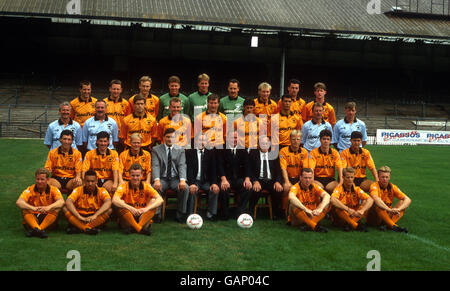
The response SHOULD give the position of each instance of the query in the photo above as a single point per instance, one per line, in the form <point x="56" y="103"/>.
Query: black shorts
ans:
<point x="63" y="181"/>
<point x="100" y="182"/>
<point x="325" y="180"/>
<point x="358" y="181"/>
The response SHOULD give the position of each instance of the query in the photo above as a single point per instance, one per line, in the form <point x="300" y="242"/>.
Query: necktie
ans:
<point x="235" y="167"/>
<point x="202" y="153"/>
<point x="169" y="164"/>
<point x="264" y="167"/>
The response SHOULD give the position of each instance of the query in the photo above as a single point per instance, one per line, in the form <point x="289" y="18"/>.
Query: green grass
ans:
<point x="421" y="172"/>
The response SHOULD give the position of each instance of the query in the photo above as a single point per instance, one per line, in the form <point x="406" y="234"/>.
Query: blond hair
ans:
<point x="320" y="85"/>
<point x="145" y="79"/>
<point x="296" y="132"/>
<point x="384" y="169"/>
<point x="264" y="85"/>
<point x="135" y="135"/>
<point x="65" y="103"/>
<point x="203" y="77"/>
<point x="348" y="170"/>
<point x="42" y="171"/>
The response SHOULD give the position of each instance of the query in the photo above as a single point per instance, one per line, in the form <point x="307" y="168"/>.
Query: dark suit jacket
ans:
<point x="255" y="167"/>
<point x="209" y="173"/>
<point x="232" y="166"/>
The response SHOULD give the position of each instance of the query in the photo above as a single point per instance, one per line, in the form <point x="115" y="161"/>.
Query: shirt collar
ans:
<point x="118" y="101"/>
<point x="95" y="191"/>
<point x="265" y="103"/>
<point x="320" y="151"/>
<point x="201" y="94"/>
<point x="388" y="187"/>
<point x="313" y="122"/>
<point x="61" y="152"/>
<point x="296" y="152"/>
<point x="88" y="101"/>
<point x="135" y="116"/>
<point x="47" y="189"/>
<point x="352" y="188"/>
<point x="108" y="152"/>
<point x="167" y="148"/>
<point x="305" y="189"/>
<point x="141" y="185"/>
<point x="354" y="120"/>
<point x="353" y="153"/>
<point x="106" y="117"/>
<point x="139" y="154"/>
<point x="287" y="115"/>
<point x="60" y="122"/>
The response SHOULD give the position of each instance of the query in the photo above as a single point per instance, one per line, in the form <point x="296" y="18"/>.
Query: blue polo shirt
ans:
<point x="343" y="130"/>
<point x="92" y="126"/>
<point x="310" y="134"/>
<point x="54" y="130"/>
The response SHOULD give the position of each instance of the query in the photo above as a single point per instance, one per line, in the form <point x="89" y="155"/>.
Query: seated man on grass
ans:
<point x="40" y="204"/>
<point x="136" y="203"/>
<point x="88" y="207"/>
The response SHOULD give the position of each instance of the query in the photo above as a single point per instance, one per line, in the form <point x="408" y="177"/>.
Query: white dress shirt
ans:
<point x="264" y="159"/>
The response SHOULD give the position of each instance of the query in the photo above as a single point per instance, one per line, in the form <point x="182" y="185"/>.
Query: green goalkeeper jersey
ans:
<point x="198" y="103"/>
<point x="164" y="102"/>
<point x="233" y="107"/>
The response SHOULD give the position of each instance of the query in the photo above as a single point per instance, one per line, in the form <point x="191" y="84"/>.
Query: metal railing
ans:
<point x="41" y="113"/>
<point x="23" y="129"/>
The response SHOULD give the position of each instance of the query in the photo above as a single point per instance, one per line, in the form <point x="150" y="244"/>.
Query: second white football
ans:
<point x="245" y="221"/>
<point x="194" y="221"/>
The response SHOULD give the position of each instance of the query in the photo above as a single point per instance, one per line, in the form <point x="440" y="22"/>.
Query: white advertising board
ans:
<point x="412" y="137"/>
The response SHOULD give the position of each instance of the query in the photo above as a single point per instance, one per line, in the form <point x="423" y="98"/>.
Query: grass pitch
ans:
<point x="421" y="172"/>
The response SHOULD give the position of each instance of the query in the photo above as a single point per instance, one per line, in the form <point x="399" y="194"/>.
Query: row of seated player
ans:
<point x="89" y="207"/>
<point x="291" y="160"/>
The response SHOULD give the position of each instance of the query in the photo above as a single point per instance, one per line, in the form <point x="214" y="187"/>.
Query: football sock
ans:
<point x="129" y="218"/>
<point x="100" y="220"/>
<point x="353" y="222"/>
<point x="387" y="219"/>
<point x="30" y="219"/>
<point x="147" y="217"/>
<point x="301" y="215"/>
<point x="49" y="219"/>
<point x="75" y="221"/>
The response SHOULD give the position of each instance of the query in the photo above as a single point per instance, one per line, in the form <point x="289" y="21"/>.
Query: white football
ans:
<point x="245" y="221"/>
<point x="194" y="221"/>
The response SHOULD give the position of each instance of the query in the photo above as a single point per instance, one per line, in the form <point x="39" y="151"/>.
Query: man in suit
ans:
<point x="201" y="175"/>
<point x="265" y="174"/>
<point x="169" y="172"/>
<point x="234" y="173"/>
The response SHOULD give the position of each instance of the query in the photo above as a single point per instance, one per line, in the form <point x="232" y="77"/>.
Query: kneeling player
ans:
<point x="65" y="163"/>
<point x="308" y="202"/>
<point x="88" y="207"/>
<point x="136" y="203"/>
<point x="351" y="204"/>
<point x="359" y="159"/>
<point x="383" y="193"/>
<point x="40" y="204"/>
<point x="325" y="161"/>
<point x="104" y="162"/>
